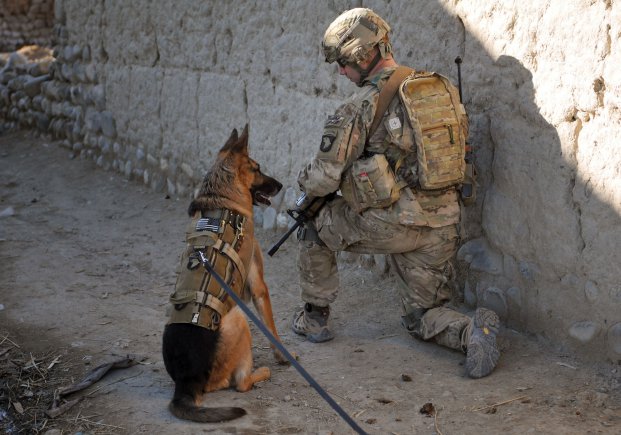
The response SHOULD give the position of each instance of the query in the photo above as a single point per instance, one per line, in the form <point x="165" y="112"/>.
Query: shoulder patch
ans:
<point x="327" y="140"/>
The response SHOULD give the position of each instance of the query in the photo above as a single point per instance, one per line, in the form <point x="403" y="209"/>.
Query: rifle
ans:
<point x="305" y="211"/>
<point x="468" y="193"/>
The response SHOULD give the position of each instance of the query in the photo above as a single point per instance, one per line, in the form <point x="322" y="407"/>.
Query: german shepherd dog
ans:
<point x="200" y="360"/>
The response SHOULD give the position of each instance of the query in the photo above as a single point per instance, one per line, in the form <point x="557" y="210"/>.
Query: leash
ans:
<point x="279" y="345"/>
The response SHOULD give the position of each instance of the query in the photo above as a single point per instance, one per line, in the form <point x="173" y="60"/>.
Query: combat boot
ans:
<point x="482" y="352"/>
<point x="312" y="322"/>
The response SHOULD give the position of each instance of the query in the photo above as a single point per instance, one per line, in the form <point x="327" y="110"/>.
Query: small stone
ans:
<point x="277" y="199"/>
<point x="9" y="211"/>
<point x="584" y="331"/>
<point x="614" y="338"/>
<point x="481" y="256"/>
<point x="257" y="213"/>
<point x="108" y="126"/>
<point x="494" y="299"/>
<point x="591" y="291"/>
<point x="514" y="295"/>
<point x="282" y="220"/>
<point x="289" y="198"/>
<point x="470" y="296"/>
<point x="269" y="218"/>
<point x="187" y="169"/>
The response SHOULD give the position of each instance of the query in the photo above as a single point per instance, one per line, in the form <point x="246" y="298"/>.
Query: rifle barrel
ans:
<point x="282" y="240"/>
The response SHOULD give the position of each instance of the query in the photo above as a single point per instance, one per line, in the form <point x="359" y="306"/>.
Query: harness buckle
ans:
<point x="239" y="233"/>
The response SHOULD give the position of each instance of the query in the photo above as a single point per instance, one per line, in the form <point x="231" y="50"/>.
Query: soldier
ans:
<point x="417" y="229"/>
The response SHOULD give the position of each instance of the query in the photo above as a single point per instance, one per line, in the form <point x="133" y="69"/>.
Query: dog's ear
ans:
<point x="242" y="144"/>
<point x="231" y="141"/>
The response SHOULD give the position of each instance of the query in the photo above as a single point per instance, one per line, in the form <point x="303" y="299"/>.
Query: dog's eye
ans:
<point x="257" y="168"/>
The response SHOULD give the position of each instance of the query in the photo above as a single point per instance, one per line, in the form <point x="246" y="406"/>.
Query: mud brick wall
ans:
<point x="25" y="22"/>
<point x="151" y="89"/>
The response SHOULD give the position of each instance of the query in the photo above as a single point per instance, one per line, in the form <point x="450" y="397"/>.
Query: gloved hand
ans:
<point x="307" y="206"/>
<point x="409" y="174"/>
<point x="303" y="202"/>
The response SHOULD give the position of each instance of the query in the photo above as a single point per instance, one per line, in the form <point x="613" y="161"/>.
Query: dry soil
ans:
<point x="87" y="261"/>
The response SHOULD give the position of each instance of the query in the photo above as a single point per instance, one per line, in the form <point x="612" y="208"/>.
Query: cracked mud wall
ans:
<point x="551" y="210"/>
<point x="165" y="82"/>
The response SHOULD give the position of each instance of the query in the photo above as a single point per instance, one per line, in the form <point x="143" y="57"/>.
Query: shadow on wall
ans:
<point x="531" y="264"/>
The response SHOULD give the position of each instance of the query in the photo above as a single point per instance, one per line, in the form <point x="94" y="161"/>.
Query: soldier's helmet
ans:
<point x="353" y="34"/>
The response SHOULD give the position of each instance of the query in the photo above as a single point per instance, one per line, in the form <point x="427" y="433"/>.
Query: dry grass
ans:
<point x="29" y="383"/>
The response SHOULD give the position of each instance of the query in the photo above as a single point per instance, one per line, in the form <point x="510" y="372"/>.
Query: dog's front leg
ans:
<point x="262" y="302"/>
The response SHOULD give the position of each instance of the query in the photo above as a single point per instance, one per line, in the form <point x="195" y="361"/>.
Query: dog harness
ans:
<point x="198" y="298"/>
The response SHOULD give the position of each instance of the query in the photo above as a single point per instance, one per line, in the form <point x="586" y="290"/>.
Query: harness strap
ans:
<point x="228" y="250"/>
<point x="211" y="301"/>
<point x="386" y="95"/>
<point x="217" y="234"/>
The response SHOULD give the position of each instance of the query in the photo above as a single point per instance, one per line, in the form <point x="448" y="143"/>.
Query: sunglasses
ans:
<point x="342" y="62"/>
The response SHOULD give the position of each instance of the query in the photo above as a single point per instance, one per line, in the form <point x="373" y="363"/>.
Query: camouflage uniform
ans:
<point x="419" y="232"/>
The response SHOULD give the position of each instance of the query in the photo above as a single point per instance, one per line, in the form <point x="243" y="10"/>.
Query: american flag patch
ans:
<point x="208" y="224"/>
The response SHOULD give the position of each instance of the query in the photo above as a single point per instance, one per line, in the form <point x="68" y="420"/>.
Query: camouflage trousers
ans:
<point x="419" y="256"/>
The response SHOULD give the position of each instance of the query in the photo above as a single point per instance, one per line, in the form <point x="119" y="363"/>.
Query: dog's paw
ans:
<point x="281" y="359"/>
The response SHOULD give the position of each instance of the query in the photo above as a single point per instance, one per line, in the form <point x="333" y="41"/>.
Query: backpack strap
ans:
<point x="386" y="95"/>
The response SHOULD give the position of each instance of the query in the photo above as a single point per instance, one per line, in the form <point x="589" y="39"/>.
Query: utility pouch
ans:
<point x="370" y="183"/>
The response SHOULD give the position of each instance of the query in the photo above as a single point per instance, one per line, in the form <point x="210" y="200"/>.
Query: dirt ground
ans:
<point x="87" y="261"/>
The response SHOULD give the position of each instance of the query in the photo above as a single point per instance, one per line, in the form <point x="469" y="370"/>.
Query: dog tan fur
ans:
<point x="201" y="360"/>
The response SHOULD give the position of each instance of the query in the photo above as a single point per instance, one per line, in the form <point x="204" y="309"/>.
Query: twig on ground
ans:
<point x="33" y="363"/>
<point x="10" y="341"/>
<point x="435" y="421"/>
<point x="359" y="413"/>
<point x="562" y="364"/>
<point x="113" y="382"/>
<point x="96" y="374"/>
<point x="55" y="411"/>
<point x="101" y="424"/>
<point x="499" y="403"/>
<point x="54" y="362"/>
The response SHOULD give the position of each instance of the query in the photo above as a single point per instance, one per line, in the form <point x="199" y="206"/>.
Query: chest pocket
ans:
<point x="370" y="183"/>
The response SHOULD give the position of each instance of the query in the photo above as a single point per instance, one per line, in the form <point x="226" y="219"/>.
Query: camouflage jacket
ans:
<point x="344" y="141"/>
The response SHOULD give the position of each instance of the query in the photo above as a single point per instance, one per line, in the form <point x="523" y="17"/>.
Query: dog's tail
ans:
<point x="183" y="407"/>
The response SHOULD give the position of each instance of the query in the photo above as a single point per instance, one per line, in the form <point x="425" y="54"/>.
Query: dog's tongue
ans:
<point x="261" y="198"/>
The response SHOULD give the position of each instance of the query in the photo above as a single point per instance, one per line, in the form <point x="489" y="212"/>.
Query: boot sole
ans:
<point x="483" y="353"/>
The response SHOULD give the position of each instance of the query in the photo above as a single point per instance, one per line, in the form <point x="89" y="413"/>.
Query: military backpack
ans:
<point x="440" y="126"/>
